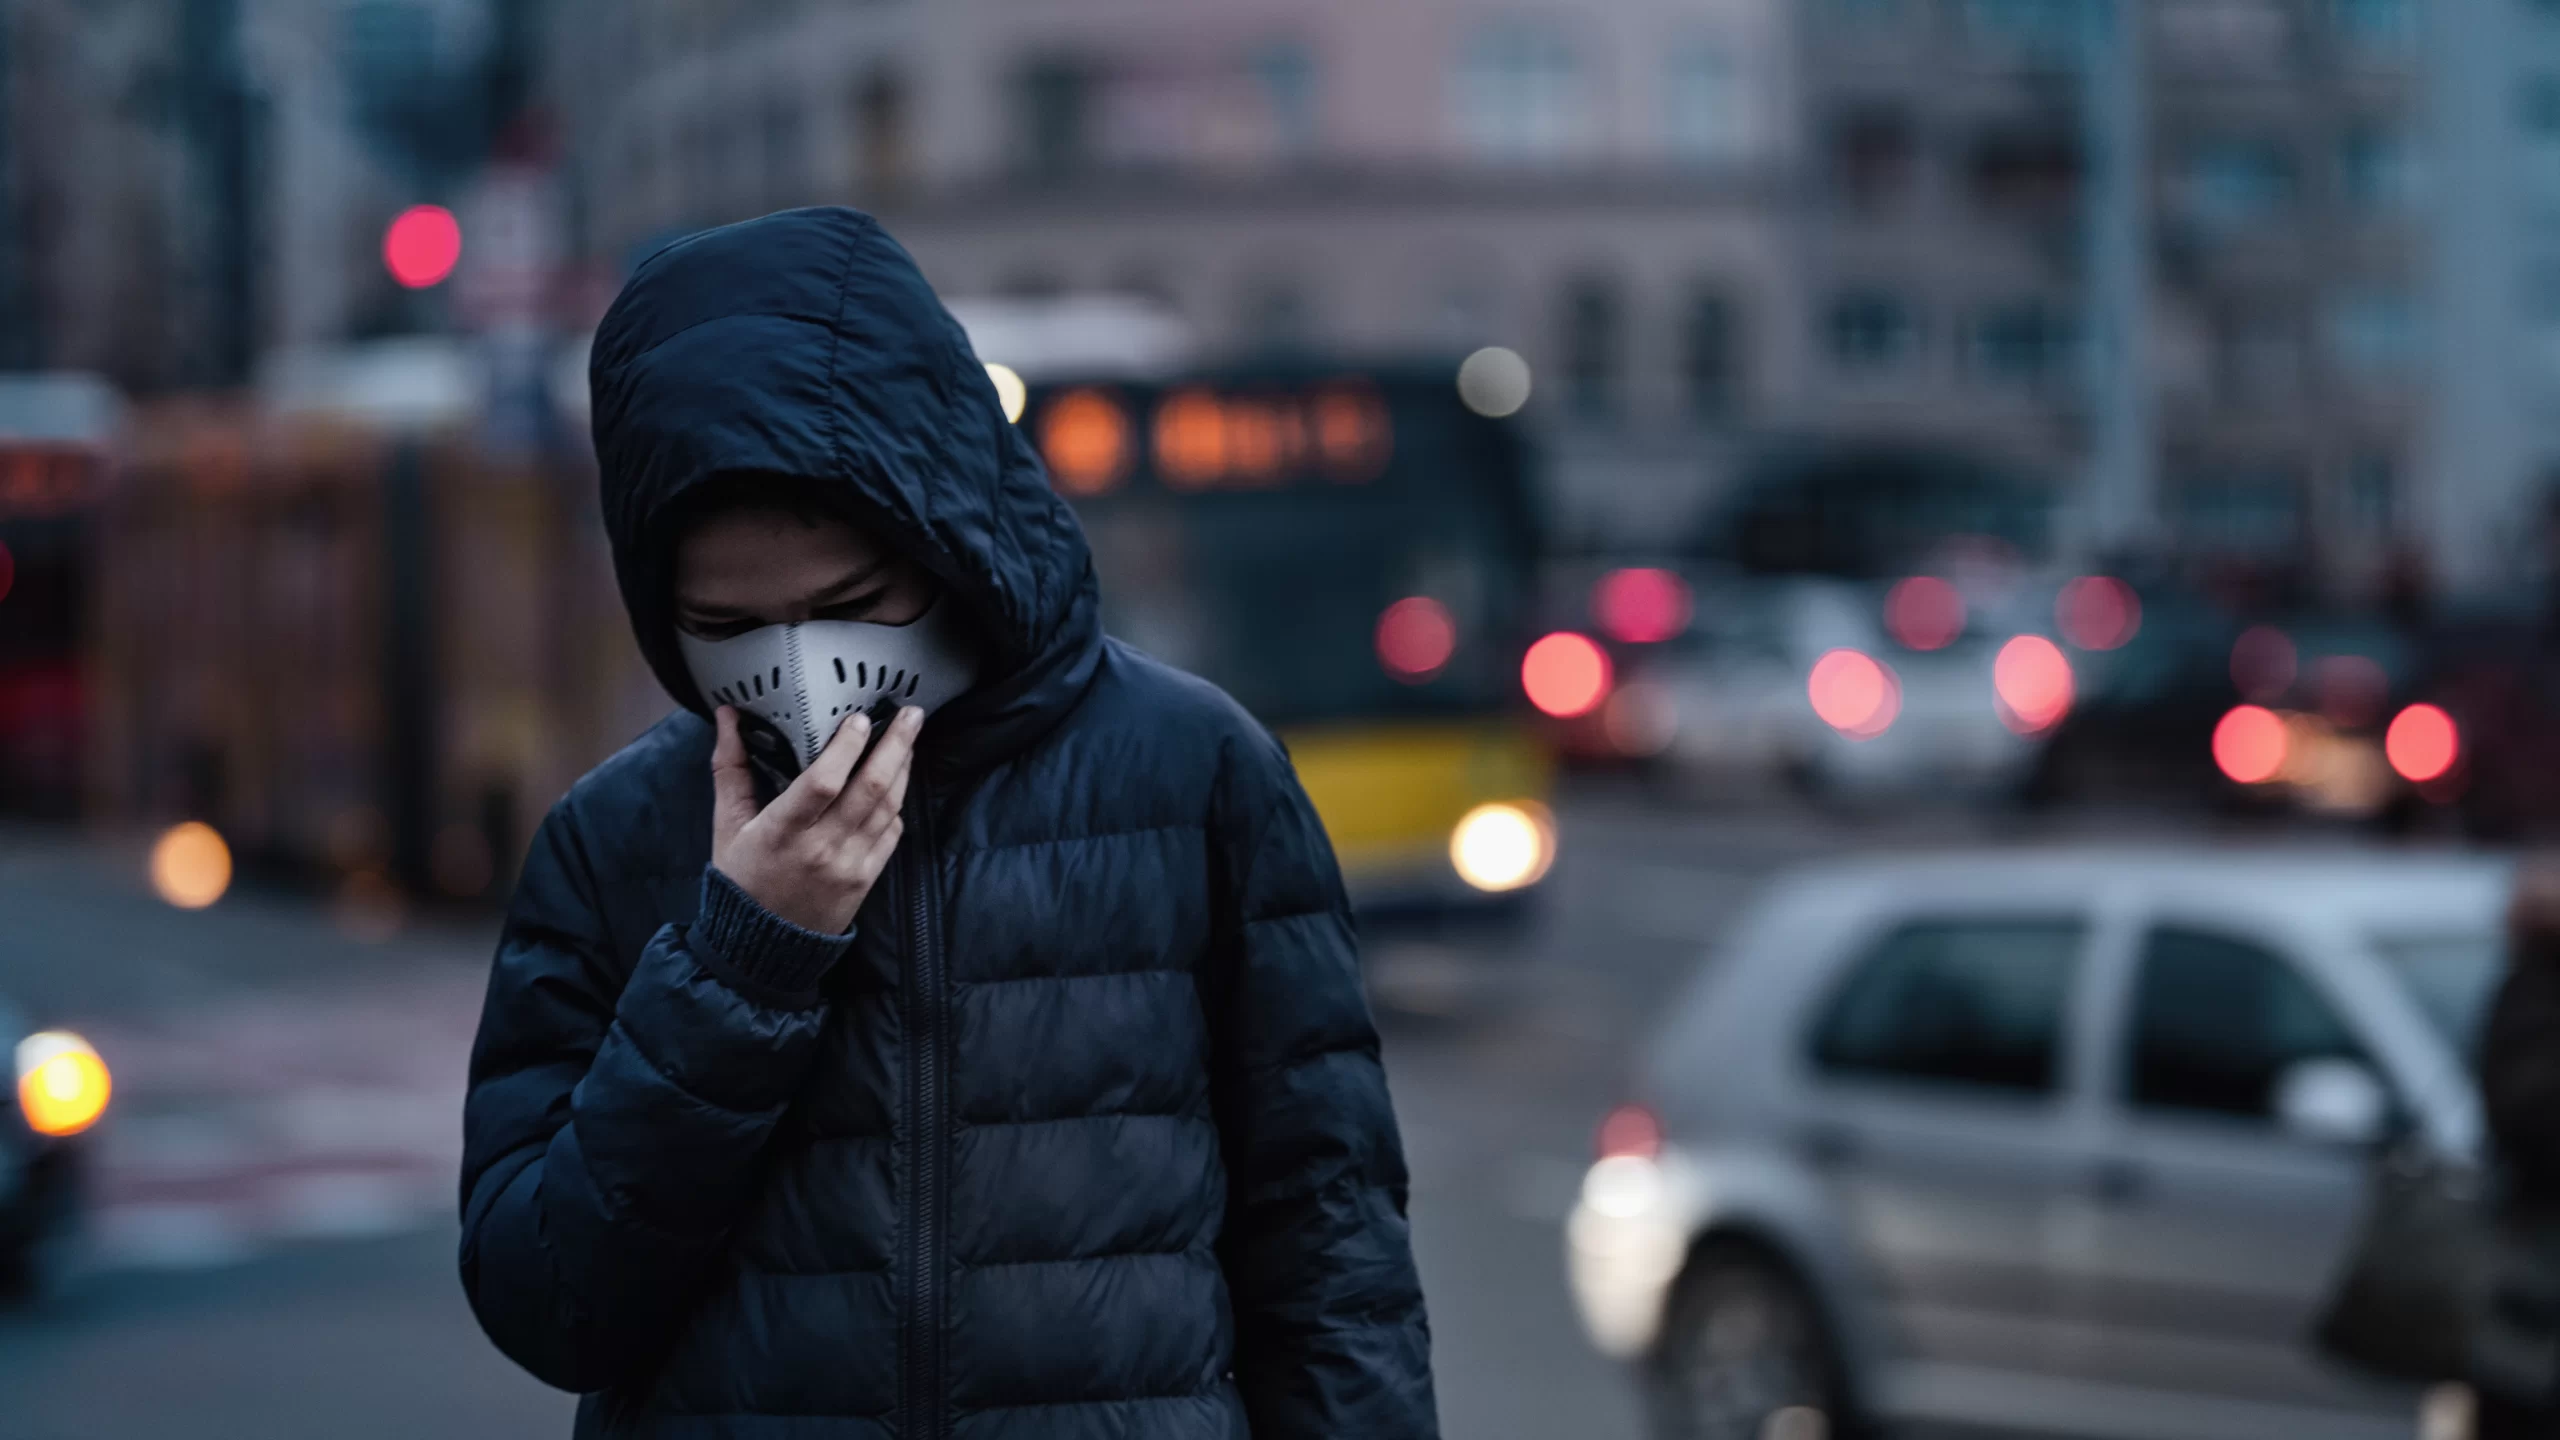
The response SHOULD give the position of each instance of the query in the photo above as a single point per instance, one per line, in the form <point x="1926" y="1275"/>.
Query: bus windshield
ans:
<point x="1256" y="529"/>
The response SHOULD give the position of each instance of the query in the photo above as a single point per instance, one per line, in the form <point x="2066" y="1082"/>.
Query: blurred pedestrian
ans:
<point x="2517" y="1347"/>
<point x="948" y="1020"/>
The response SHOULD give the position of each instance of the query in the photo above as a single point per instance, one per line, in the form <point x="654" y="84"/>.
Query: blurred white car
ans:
<point x="2066" y="1143"/>
<point x="1798" y="680"/>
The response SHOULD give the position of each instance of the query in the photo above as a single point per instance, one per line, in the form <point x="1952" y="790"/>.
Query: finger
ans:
<point x="816" y="788"/>
<point x="881" y="783"/>
<point x="733" y="786"/>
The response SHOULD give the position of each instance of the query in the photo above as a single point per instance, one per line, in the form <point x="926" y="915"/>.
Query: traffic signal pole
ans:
<point x="2122" y="495"/>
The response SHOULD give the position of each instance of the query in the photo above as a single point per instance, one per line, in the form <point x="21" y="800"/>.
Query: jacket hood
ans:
<point x="807" y="343"/>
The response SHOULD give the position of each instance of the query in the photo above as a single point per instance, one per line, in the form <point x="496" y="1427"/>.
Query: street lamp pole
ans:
<point x="2123" y="455"/>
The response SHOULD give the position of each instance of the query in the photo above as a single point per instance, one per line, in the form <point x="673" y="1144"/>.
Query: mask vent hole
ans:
<point x="911" y="684"/>
<point x="896" y="680"/>
<point x="861" y="673"/>
<point x="777" y="678"/>
<point x="839" y="671"/>
<point x="759" y="687"/>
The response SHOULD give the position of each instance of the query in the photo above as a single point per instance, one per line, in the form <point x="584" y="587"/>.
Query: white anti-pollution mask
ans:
<point x="803" y="679"/>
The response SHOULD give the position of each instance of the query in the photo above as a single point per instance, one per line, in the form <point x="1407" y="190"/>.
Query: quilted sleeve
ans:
<point x="613" y="1124"/>
<point x="1331" y="1338"/>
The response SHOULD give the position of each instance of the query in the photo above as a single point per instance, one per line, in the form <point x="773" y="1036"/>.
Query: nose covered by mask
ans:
<point x="793" y="684"/>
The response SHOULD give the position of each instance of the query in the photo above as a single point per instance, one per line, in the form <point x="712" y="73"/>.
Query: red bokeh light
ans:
<point x="422" y="246"/>
<point x="1630" y="1130"/>
<point x="1416" y="637"/>
<point x="1641" y="606"/>
<point x="2423" y="743"/>
<point x="1924" y="612"/>
<point x="1854" y="694"/>
<point x="2098" y="612"/>
<point x="8" y="571"/>
<point x="1565" y="674"/>
<point x="2263" y="662"/>
<point x="2250" y="743"/>
<point x="2032" y="680"/>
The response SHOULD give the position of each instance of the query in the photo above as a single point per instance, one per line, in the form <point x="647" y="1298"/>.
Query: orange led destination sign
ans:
<point x="1201" y="439"/>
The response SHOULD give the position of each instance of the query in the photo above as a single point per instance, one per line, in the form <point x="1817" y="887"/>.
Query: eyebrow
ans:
<point x="838" y="591"/>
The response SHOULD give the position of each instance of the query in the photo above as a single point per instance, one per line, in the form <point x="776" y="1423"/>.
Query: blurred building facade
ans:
<point x="1599" y="188"/>
<point x="187" y="185"/>
<point x="1957" y="147"/>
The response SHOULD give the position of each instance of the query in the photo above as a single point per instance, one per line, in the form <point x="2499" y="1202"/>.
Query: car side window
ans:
<point x="2216" y="1021"/>
<point x="1957" y="1002"/>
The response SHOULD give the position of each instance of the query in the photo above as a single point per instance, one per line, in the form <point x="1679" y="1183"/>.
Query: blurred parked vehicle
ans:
<point x="1800" y="679"/>
<point x="1348" y="552"/>
<point x="61" y="1091"/>
<point x="2067" y="1143"/>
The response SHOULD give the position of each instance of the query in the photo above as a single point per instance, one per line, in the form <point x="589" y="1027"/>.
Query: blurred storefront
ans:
<point x="357" y="642"/>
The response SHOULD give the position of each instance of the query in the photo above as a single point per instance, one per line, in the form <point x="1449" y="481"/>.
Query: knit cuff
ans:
<point x="762" y="955"/>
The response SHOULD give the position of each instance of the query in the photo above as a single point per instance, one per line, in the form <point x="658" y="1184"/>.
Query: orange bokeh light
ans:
<point x="2250" y="744"/>
<point x="1084" y="437"/>
<point x="2422" y="744"/>
<point x="2032" y="679"/>
<point x="1565" y="674"/>
<point x="1191" y="439"/>
<point x="190" y="865"/>
<point x="1854" y="694"/>
<point x="1924" y="612"/>
<point x="1416" y="637"/>
<point x="2098" y="612"/>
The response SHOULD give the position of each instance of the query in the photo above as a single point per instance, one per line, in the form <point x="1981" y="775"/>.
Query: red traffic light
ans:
<point x="422" y="246"/>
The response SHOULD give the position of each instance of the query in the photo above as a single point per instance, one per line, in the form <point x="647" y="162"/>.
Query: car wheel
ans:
<point x="1744" y="1355"/>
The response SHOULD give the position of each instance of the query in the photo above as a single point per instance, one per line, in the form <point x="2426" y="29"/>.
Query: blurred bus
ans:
<point x="1349" y="553"/>
<point x="58" y="438"/>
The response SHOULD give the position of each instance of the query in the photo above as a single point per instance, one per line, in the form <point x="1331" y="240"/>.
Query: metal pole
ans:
<point x="2123" y="449"/>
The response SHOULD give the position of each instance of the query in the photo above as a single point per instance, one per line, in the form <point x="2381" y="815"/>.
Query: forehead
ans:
<point x="756" y="549"/>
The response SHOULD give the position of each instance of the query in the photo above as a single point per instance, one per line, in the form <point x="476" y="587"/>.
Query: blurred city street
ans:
<point x="274" y="1242"/>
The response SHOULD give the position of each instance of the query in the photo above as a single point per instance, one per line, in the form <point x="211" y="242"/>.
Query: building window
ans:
<point x="2538" y="144"/>
<point x="1706" y="106"/>
<point x="2235" y="182"/>
<point x="1594" y="328"/>
<point x="1868" y="330"/>
<point x="2373" y="334"/>
<point x="2026" y="174"/>
<point x="2377" y="170"/>
<point x="2240" y="34"/>
<point x="1518" y="93"/>
<point x="883" y="131"/>
<point x="2027" y="343"/>
<point x="2248" y="510"/>
<point x="2038" y="27"/>
<point x="1052" y="117"/>
<point x="1285" y="74"/>
<point x="2382" y="26"/>
<point x="1870" y="150"/>
<point x="1711" y="354"/>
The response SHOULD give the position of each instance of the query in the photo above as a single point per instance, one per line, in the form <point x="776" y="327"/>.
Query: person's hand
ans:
<point x="811" y="855"/>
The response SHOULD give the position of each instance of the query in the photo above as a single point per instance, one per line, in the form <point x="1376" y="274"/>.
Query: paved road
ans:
<point x="275" y="1248"/>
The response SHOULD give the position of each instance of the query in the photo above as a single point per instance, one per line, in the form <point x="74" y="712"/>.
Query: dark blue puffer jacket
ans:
<point x="1082" y="1132"/>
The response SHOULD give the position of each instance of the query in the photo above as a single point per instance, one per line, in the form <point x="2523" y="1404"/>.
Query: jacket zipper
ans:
<point x="926" y="1023"/>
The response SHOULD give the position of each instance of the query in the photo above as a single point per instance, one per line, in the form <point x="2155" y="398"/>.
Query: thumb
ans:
<point x="733" y="786"/>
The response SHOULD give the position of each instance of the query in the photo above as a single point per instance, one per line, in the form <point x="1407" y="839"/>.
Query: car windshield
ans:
<point x="2450" y="976"/>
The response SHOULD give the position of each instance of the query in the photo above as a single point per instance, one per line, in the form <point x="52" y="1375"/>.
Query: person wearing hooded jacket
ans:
<point x="1012" y="1081"/>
